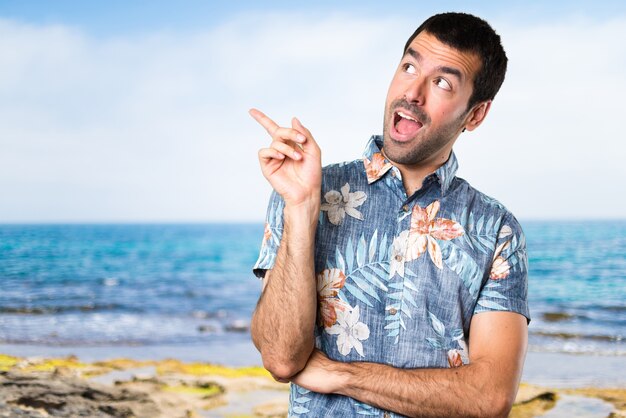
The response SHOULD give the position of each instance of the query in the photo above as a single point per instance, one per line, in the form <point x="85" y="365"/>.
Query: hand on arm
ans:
<point x="284" y="319"/>
<point x="484" y="388"/>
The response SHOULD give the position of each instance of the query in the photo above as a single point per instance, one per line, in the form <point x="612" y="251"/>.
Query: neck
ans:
<point x="413" y="175"/>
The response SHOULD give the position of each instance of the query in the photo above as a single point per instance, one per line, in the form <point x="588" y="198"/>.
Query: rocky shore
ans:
<point x="35" y="387"/>
<point x="67" y="387"/>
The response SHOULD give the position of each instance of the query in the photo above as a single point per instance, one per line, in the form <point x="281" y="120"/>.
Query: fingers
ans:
<point x="269" y="125"/>
<point x="275" y="131"/>
<point x="279" y="151"/>
<point x="286" y="150"/>
<point x="296" y="124"/>
<point x="293" y="143"/>
<point x="268" y="154"/>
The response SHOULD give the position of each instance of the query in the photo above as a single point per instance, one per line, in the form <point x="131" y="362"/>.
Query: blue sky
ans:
<point x="130" y="111"/>
<point x="115" y="17"/>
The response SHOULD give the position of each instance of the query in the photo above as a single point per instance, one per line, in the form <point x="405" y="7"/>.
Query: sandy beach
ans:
<point x="555" y="385"/>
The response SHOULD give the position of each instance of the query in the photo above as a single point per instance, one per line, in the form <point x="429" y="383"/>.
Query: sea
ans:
<point x="178" y="290"/>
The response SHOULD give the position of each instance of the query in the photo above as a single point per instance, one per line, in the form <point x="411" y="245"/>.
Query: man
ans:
<point x="392" y="287"/>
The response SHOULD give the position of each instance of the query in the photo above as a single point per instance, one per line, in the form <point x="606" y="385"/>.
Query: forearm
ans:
<point x="462" y="391"/>
<point x="283" y="323"/>
<point x="486" y="387"/>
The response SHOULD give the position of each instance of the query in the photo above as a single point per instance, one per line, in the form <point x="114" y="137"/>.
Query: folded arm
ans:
<point x="284" y="319"/>
<point x="484" y="388"/>
<point x="283" y="323"/>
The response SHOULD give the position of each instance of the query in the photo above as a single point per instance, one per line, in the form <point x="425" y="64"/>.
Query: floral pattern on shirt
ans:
<point x="338" y="205"/>
<point x="376" y="167"/>
<point x="329" y="282"/>
<point x="426" y="230"/>
<point x="380" y="298"/>
<point x="267" y="232"/>
<point x="456" y="348"/>
<point x="399" y="254"/>
<point x="349" y="331"/>
<point x="457" y="357"/>
<point x="500" y="267"/>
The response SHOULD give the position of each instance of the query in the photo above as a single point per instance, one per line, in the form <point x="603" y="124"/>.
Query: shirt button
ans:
<point x="393" y="173"/>
<point x="393" y="311"/>
<point x="387" y="415"/>
<point x="398" y="258"/>
<point x="405" y="208"/>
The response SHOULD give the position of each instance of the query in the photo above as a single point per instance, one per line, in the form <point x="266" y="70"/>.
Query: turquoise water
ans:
<point x="577" y="286"/>
<point x="99" y="285"/>
<point x="125" y="284"/>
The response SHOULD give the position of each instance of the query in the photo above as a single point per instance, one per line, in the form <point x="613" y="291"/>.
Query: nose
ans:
<point x="415" y="91"/>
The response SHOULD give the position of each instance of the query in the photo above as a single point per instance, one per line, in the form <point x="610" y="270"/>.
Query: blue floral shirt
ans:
<point x="399" y="277"/>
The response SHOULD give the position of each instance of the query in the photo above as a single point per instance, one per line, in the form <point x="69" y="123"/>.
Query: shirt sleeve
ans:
<point x="506" y="288"/>
<point x="271" y="236"/>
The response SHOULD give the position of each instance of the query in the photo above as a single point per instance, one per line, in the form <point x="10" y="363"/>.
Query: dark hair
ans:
<point x="468" y="33"/>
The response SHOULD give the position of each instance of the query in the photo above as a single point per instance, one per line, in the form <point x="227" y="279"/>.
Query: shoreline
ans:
<point x="574" y="370"/>
<point x="234" y="351"/>
<point x="62" y="387"/>
<point x="550" y="369"/>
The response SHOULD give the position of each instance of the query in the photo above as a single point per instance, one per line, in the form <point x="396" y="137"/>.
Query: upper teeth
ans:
<point x="402" y="115"/>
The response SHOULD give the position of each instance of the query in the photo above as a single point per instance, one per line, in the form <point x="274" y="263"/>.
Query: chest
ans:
<point x="397" y="279"/>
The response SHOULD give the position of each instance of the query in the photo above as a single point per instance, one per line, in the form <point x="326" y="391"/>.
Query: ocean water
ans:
<point x="577" y="286"/>
<point x="192" y="286"/>
<point x="126" y="284"/>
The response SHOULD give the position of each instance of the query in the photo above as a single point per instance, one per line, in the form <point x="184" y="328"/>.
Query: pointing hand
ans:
<point x="292" y="162"/>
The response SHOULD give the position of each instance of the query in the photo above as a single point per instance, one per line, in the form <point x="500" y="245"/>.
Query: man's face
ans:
<point x="426" y="106"/>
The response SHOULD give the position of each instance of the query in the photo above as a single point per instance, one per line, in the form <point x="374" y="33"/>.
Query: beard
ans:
<point x="425" y="143"/>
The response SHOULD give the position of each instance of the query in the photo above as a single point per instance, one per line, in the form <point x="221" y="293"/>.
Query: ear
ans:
<point x="477" y="115"/>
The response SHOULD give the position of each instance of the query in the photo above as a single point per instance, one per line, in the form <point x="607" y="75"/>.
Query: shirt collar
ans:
<point x="376" y="165"/>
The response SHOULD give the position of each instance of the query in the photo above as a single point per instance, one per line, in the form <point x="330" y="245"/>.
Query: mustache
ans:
<point x="421" y="115"/>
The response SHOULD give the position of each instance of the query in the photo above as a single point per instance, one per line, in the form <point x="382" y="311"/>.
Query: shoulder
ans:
<point x="478" y="207"/>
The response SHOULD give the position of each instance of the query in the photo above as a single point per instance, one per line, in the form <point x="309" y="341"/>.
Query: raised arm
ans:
<point x="484" y="388"/>
<point x="284" y="319"/>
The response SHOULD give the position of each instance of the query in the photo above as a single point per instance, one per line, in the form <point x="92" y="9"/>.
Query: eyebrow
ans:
<point x="442" y="68"/>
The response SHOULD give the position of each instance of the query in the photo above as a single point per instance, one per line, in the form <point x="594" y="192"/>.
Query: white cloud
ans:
<point x="553" y="138"/>
<point x="155" y="127"/>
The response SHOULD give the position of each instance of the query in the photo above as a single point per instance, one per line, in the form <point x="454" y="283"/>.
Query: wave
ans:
<point x="560" y="316"/>
<point x="92" y="341"/>
<point x="574" y="349"/>
<point x="577" y="336"/>
<point x="49" y="310"/>
<point x="614" y="314"/>
<point x="617" y="308"/>
<point x="77" y="342"/>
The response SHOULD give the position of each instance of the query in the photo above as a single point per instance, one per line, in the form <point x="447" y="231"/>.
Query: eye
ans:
<point x="443" y="83"/>
<point x="408" y="68"/>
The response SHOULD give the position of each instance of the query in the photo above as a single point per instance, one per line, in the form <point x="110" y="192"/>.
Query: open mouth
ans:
<point x="405" y="124"/>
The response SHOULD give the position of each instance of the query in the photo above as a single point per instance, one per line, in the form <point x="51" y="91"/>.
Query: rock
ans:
<point x="29" y="361"/>
<point x="527" y="393"/>
<point x="49" y="394"/>
<point x="532" y="401"/>
<point x="274" y="409"/>
<point x="8" y="411"/>
<point x="62" y="371"/>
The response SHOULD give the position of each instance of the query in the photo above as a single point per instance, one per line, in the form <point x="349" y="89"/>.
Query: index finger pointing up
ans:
<point x="269" y="125"/>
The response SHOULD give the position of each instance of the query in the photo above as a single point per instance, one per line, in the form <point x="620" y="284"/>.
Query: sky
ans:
<point x="136" y="111"/>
